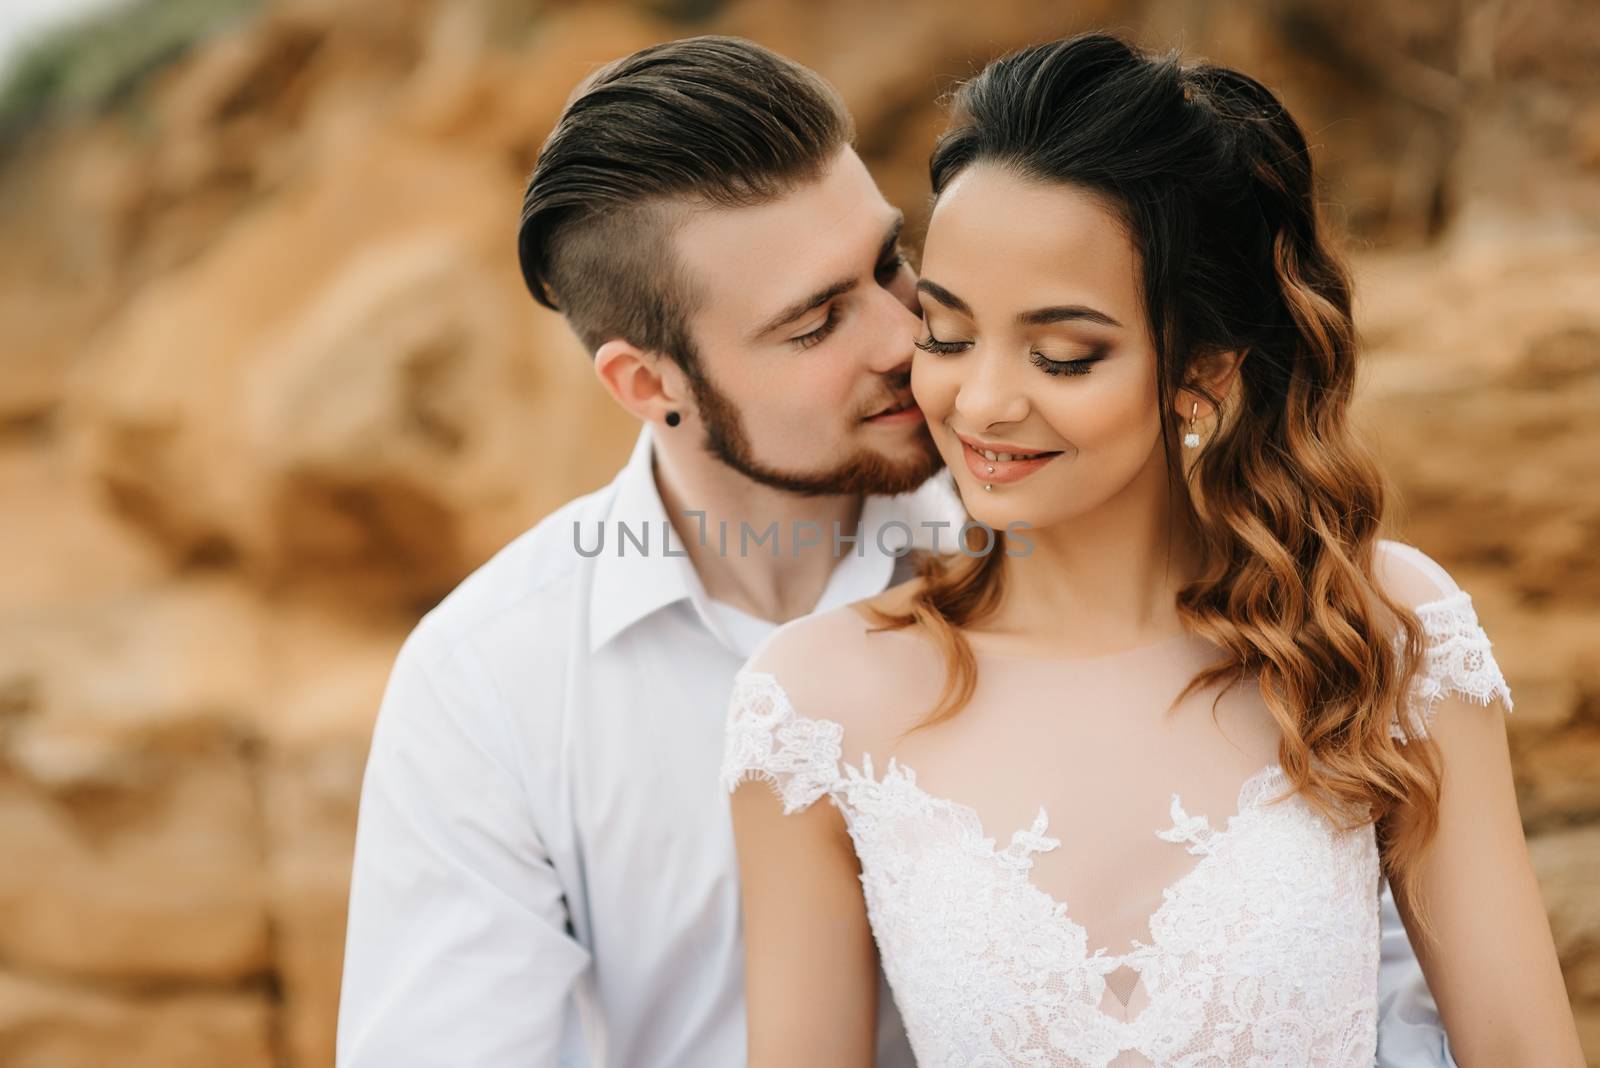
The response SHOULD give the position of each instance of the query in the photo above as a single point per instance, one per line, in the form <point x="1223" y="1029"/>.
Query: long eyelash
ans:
<point x="933" y="344"/>
<point x="820" y="334"/>
<point x="1066" y="367"/>
<point x="891" y="267"/>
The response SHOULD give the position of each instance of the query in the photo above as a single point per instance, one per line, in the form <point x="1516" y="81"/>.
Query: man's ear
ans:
<point x="644" y="382"/>
<point x="1216" y="372"/>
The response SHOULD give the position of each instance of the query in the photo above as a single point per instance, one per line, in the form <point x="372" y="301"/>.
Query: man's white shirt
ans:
<point x="544" y="868"/>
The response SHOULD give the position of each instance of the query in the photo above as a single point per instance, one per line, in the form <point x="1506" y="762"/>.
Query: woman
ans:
<point x="1122" y="789"/>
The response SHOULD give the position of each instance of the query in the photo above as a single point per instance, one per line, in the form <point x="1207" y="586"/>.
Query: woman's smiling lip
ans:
<point x="979" y="445"/>
<point x="1003" y="471"/>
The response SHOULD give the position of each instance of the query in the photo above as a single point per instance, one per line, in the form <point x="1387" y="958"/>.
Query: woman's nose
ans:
<point x="988" y="394"/>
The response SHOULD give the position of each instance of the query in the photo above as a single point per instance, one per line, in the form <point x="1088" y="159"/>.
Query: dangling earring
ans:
<point x="673" y="418"/>
<point x="1191" y="439"/>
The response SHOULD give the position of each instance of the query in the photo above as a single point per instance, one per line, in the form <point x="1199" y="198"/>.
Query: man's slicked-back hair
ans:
<point x="705" y="120"/>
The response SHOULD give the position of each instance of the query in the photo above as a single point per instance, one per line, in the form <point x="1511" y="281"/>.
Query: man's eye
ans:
<point x="891" y="267"/>
<point x="820" y="334"/>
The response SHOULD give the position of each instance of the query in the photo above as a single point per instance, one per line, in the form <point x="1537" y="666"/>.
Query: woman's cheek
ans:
<point x="1120" y="411"/>
<point x="931" y="386"/>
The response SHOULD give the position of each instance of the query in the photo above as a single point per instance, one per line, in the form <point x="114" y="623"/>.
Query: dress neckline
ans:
<point x="1170" y="643"/>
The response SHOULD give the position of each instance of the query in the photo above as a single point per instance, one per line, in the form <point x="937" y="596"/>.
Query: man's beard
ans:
<point x="863" y="474"/>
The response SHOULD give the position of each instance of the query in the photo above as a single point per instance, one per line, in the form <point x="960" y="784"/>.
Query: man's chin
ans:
<point x="868" y="473"/>
<point x="872" y="473"/>
<point x="907" y="475"/>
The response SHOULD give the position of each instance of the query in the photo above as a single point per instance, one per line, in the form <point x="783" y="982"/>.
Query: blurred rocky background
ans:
<point x="270" y="385"/>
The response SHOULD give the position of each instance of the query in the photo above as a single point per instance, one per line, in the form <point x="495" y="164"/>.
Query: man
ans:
<point x="544" y="870"/>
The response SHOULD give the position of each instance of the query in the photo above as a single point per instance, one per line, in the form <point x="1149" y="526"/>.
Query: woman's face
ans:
<point x="1035" y="342"/>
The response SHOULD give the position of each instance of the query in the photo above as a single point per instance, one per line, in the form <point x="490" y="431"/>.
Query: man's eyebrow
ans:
<point x="837" y="289"/>
<point x="892" y="238"/>
<point x="1036" y="317"/>
<point x="800" y="307"/>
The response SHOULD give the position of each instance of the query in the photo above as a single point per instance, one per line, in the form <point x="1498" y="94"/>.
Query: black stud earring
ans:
<point x="673" y="418"/>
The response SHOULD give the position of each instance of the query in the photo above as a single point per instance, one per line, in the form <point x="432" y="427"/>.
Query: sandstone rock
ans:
<point x="315" y="739"/>
<point x="51" y="1025"/>
<point x="1477" y="342"/>
<point x="58" y="544"/>
<point x="1568" y="866"/>
<point x="132" y="825"/>
<point x="271" y="385"/>
<point x="332" y="406"/>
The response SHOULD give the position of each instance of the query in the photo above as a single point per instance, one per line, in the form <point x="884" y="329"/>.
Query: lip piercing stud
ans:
<point x="987" y="486"/>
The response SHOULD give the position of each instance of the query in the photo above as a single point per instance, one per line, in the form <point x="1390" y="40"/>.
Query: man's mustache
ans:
<point x="901" y="385"/>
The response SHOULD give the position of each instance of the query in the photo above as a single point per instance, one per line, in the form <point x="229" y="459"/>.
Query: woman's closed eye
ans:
<point x="933" y="344"/>
<point x="1080" y="366"/>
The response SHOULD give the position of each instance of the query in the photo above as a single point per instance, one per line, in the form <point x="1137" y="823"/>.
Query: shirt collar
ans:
<point x="628" y="588"/>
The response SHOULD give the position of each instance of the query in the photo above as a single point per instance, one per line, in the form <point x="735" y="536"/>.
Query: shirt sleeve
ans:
<point x="1410" y="1033"/>
<point x="457" y="951"/>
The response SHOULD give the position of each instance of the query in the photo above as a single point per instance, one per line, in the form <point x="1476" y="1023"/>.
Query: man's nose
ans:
<point x="905" y="290"/>
<point x="899" y="327"/>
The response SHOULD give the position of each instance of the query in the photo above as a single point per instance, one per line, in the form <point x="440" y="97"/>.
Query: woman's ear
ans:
<point x="644" y="382"/>
<point x="1216" y="374"/>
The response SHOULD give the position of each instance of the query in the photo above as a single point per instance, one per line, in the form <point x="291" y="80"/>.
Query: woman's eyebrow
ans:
<point x="1065" y="313"/>
<point x="1036" y="317"/>
<point x="944" y="296"/>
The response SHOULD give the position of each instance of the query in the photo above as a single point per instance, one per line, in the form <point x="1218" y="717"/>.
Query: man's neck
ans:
<point x="718" y="515"/>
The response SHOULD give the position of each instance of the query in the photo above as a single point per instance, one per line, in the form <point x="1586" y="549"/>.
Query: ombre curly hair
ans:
<point x="1213" y="180"/>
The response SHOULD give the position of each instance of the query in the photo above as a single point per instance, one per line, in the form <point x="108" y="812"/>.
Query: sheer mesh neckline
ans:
<point x="1194" y="833"/>
<point x="1171" y="641"/>
<point x="1158" y="645"/>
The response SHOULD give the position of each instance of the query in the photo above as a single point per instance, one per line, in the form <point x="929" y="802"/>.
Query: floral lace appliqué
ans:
<point x="767" y="739"/>
<point x="1456" y="661"/>
<point x="1265" y="953"/>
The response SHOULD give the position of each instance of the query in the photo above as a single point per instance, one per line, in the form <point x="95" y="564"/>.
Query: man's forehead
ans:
<point x="759" y="257"/>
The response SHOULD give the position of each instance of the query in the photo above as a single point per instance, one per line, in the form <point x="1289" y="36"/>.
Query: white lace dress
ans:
<point x="1157" y="909"/>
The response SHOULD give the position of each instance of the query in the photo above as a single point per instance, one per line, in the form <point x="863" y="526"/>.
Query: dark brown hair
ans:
<point x="1212" y="178"/>
<point x="710" y="120"/>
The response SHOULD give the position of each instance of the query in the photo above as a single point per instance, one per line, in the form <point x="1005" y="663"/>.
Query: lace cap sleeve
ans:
<point x="1456" y="660"/>
<point x="767" y="739"/>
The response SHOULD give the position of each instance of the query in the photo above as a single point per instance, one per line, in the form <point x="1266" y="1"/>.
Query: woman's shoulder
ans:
<point x="839" y="666"/>
<point x="816" y="692"/>
<point x="894" y="601"/>
<point x="1411" y="576"/>
<point x="835" y="636"/>
<point x="1458" y="658"/>
<point x="794" y="649"/>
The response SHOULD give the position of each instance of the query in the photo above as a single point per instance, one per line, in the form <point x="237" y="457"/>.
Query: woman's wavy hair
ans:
<point x="1213" y="180"/>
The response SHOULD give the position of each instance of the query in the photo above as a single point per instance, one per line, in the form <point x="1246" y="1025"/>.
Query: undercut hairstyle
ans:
<point x="704" y="121"/>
